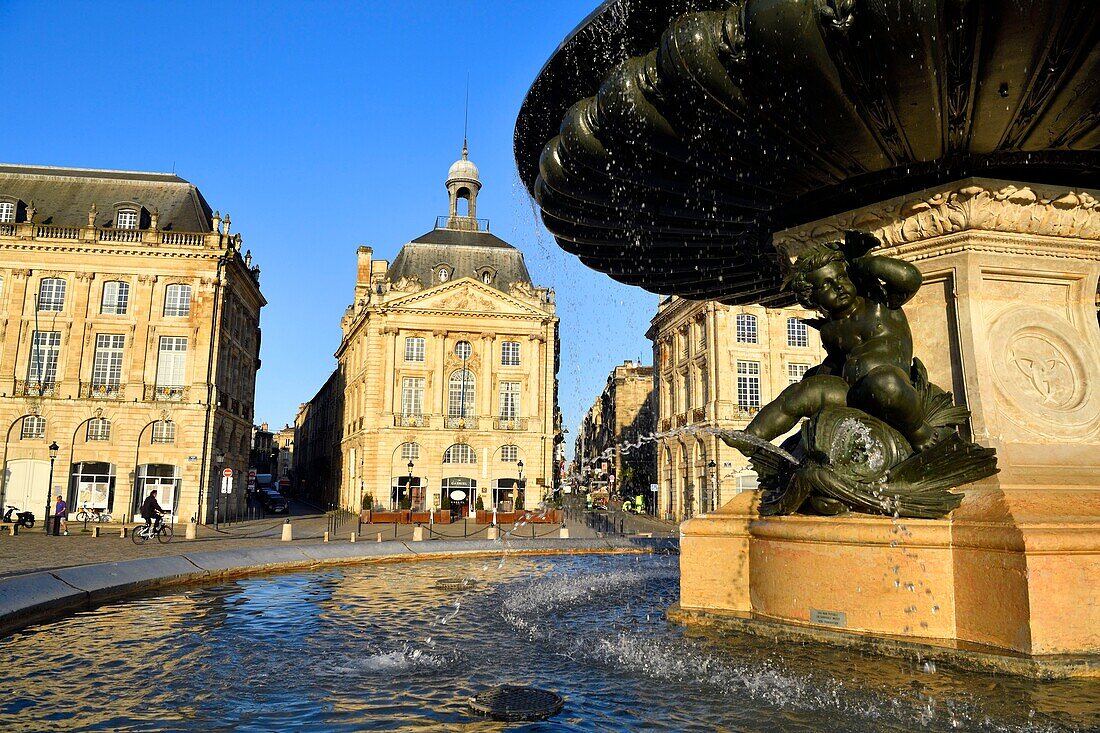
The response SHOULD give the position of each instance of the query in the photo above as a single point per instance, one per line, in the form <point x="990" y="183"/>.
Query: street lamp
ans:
<point x="54" y="447"/>
<point x="714" y="477"/>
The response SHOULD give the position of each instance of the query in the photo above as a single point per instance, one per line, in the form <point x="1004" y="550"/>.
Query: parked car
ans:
<point x="274" y="502"/>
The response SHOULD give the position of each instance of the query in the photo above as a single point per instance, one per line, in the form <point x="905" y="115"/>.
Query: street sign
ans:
<point x="227" y="484"/>
<point x="653" y="487"/>
<point x="228" y="473"/>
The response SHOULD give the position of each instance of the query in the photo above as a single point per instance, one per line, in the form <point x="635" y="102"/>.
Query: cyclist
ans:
<point x="150" y="510"/>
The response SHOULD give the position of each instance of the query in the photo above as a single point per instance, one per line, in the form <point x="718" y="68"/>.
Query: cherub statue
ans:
<point x="866" y="337"/>
<point x="877" y="436"/>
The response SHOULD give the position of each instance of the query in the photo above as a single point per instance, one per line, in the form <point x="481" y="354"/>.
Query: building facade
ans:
<point x="716" y="365"/>
<point x="130" y="331"/>
<point x="445" y="393"/>
<point x="614" y="446"/>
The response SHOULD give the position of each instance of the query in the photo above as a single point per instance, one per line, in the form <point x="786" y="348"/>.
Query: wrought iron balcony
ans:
<point x="698" y="414"/>
<point x="510" y="423"/>
<point x="409" y="421"/>
<point x="666" y="424"/>
<point x="25" y="388"/>
<point x="460" y="423"/>
<point x="94" y="390"/>
<point x="681" y="420"/>
<point x="170" y="394"/>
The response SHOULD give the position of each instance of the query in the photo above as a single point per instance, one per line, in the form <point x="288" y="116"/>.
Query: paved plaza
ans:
<point x="32" y="550"/>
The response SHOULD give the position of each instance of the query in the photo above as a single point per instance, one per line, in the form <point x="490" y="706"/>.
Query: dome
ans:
<point x="463" y="169"/>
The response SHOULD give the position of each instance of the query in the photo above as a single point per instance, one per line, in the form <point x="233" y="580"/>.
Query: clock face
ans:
<point x="463" y="349"/>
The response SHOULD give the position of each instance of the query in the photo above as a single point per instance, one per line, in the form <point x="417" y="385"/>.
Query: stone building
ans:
<point x="284" y="445"/>
<point x="716" y="365"/>
<point x="610" y="450"/>
<point x="130" y="327"/>
<point x="445" y="393"/>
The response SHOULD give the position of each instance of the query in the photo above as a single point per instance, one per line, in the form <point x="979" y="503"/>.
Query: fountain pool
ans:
<point x="379" y="648"/>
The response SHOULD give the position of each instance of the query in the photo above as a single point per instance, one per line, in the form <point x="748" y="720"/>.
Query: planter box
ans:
<point x="400" y="517"/>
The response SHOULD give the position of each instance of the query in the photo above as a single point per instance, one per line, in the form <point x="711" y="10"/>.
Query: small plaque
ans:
<point x="828" y="618"/>
<point x="192" y="459"/>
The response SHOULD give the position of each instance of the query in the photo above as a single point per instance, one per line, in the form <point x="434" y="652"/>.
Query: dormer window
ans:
<point x="7" y="212"/>
<point x="487" y="277"/>
<point x="126" y="219"/>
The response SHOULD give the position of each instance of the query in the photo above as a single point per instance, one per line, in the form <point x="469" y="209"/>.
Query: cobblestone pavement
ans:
<point x="32" y="550"/>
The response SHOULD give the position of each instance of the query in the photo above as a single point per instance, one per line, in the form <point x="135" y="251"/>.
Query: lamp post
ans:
<point x="54" y="447"/>
<point x="219" y="459"/>
<point x="408" y="486"/>
<point x="519" y="466"/>
<point x="714" y="477"/>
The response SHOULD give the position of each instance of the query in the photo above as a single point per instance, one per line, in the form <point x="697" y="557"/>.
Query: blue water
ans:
<point x="377" y="648"/>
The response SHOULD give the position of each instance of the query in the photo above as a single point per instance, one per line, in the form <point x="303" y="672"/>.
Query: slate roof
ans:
<point x="63" y="196"/>
<point x="467" y="252"/>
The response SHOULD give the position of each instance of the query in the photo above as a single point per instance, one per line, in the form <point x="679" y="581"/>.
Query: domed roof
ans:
<point x="463" y="169"/>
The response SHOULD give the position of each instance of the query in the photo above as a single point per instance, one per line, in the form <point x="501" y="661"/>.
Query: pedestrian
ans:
<point x="60" y="518"/>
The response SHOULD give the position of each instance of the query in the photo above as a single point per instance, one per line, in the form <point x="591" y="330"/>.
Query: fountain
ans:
<point x="711" y="148"/>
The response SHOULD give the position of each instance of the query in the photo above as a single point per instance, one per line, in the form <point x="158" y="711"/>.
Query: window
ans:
<point x="746" y="328"/>
<point x="797" y="333"/>
<point x="412" y="396"/>
<point x="509" y="400"/>
<point x="687" y="391"/>
<point x="795" y="372"/>
<point x="444" y="274"/>
<point x="107" y="367"/>
<point x="509" y="353"/>
<point x="410" y="451"/>
<point x="685" y="347"/>
<point x="702" y="335"/>
<point x="34" y="426"/>
<point x="509" y="453"/>
<point x="164" y="431"/>
<point x="51" y="294"/>
<point x="177" y="300"/>
<point x="748" y="385"/>
<point x="463" y="350"/>
<point x="172" y="361"/>
<point x="459" y="453"/>
<point x="414" y="349"/>
<point x="7" y="212"/>
<point x="487" y="277"/>
<point x="45" y="349"/>
<point x="99" y="429"/>
<point x="116" y="298"/>
<point x="460" y="397"/>
<point x="126" y="219"/>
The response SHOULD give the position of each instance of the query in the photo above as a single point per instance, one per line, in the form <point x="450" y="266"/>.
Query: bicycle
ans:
<point x="162" y="531"/>
<point x="92" y="515"/>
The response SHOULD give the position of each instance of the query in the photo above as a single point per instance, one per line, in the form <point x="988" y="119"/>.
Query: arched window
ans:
<point x="746" y="328"/>
<point x="460" y="394"/>
<point x="164" y="431"/>
<point x="177" y="300"/>
<point x="127" y="219"/>
<point x="410" y="451"/>
<point x="509" y="453"/>
<point x="459" y="453"/>
<point x="116" y="298"/>
<point x="7" y="212"/>
<point x="99" y="429"/>
<point x="51" y="294"/>
<point x="34" y="426"/>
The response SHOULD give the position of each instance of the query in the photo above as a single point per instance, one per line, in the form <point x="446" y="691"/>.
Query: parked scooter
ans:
<point x="24" y="518"/>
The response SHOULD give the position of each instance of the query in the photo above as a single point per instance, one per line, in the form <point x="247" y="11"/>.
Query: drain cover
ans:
<point x="455" y="583"/>
<point x="506" y="702"/>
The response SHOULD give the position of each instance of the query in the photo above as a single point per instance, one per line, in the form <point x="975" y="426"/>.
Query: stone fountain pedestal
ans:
<point x="1007" y="321"/>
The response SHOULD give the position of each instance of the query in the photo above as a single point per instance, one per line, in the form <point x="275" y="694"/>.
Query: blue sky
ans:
<point x="319" y="127"/>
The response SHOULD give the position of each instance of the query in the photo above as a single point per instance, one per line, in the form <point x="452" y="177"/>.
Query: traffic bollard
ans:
<point x="288" y="531"/>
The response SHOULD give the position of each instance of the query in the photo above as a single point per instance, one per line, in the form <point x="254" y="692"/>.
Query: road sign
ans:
<point x="228" y="473"/>
<point x="251" y="474"/>
<point x="227" y="484"/>
<point x="653" y="487"/>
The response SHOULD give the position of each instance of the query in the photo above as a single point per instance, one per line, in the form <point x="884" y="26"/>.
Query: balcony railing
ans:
<point x="746" y="413"/>
<point x="510" y="423"/>
<point x="7" y="230"/>
<point x="698" y="414"/>
<point x="92" y="390"/>
<point x="666" y="424"/>
<point x="24" y="388"/>
<point x="119" y="235"/>
<point x="681" y="419"/>
<point x="460" y="423"/>
<point x="169" y="394"/>
<point x="186" y="238"/>
<point x="409" y="421"/>
<point x="464" y="223"/>
<point x="54" y="232"/>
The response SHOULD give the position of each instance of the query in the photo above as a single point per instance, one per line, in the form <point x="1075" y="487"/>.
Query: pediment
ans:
<point x="466" y="295"/>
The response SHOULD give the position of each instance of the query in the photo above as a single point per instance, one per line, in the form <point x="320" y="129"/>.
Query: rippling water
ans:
<point x="377" y="648"/>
